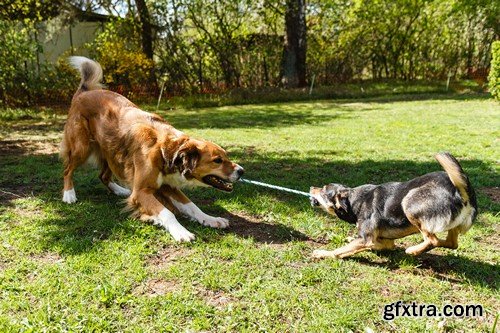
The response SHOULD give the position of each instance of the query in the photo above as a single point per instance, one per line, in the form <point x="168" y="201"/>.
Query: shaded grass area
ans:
<point x="364" y="89"/>
<point x="89" y="267"/>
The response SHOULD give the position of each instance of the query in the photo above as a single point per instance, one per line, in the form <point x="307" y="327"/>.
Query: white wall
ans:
<point x="58" y="42"/>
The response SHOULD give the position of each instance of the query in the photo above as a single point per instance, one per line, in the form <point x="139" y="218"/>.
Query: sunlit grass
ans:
<point x="88" y="267"/>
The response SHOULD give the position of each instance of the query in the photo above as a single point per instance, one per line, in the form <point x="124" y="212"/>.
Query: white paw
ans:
<point x="180" y="234"/>
<point x="118" y="190"/>
<point x="323" y="254"/>
<point x="167" y="220"/>
<point x="413" y="250"/>
<point x="214" y="222"/>
<point x="69" y="196"/>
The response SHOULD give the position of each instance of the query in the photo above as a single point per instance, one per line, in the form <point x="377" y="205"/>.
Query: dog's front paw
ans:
<point x="323" y="254"/>
<point x="214" y="222"/>
<point x="69" y="196"/>
<point x="181" y="234"/>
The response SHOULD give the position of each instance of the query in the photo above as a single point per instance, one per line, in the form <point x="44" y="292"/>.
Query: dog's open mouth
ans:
<point x="218" y="183"/>
<point x="314" y="202"/>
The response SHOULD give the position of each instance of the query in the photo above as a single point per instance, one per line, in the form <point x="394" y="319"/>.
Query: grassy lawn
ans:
<point x="88" y="267"/>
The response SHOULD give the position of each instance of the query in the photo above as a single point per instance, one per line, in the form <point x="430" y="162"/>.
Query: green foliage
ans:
<point x="17" y="52"/>
<point x="118" y="51"/>
<point x="29" y="10"/>
<point x="404" y="39"/>
<point x="494" y="76"/>
<point x="23" y="80"/>
<point x="215" y="46"/>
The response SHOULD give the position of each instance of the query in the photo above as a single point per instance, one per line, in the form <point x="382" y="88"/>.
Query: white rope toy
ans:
<point x="275" y="187"/>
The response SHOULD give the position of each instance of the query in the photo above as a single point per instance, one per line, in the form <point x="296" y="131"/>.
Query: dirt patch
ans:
<point x="168" y="257"/>
<point x="491" y="192"/>
<point x="156" y="287"/>
<point x="12" y="194"/>
<point x="215" y="298"/>
<point x="21" y="147"/>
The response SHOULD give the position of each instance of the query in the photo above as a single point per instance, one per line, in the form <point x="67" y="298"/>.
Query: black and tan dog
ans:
<point x="432" y="203"/>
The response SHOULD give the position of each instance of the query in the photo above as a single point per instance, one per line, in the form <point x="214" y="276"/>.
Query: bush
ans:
<point x="16" y="55"/>
<point x="22" y="81"/>
<point x="494" y="76"/>
<point x="126" y="68"/>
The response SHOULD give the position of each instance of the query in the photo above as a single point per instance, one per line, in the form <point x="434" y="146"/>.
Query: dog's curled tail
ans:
<point x="456" y="174"/>
<point x="90" y="71"/>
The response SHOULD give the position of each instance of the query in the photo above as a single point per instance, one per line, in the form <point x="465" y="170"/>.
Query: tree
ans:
<point x="29" y="10"/>
<point x="293" y="65"/>
<point x="146" y="31"/>
<point x="146" y="36"/>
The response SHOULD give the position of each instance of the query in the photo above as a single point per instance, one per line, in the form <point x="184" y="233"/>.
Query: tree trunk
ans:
<point x="266" y="71"/>
<point x="293" y="64"/>
<point x="146" y="32"/>
<point x="146" y="35"/>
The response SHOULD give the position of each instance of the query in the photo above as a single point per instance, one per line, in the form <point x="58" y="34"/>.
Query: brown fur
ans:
<point x="136" y="147"/>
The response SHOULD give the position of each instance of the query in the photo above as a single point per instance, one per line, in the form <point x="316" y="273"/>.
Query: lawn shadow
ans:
<point x="412" y="97"/>
<point x="97" y="215"/>
<point x="438" y="266"/>
<point x="245" y="226"/>
<point x="333" y="95"/>
<point x="81" y="227"/>
<point x="269" y="116"/>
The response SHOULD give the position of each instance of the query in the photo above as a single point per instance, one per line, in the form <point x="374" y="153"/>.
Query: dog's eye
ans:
<point x="218" y="160"/>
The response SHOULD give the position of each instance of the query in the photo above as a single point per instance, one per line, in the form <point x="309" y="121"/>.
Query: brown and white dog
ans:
<point x="143" y="151"/>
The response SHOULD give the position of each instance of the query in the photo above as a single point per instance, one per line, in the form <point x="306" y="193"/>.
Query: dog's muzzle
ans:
<point x="314" y="191"/>
<point x="237" y="173"/>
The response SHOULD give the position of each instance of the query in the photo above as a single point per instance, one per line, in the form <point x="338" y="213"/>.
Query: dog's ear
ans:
<point x="341" y="200"/>
<point x="186" y="158"/>
<point x="182" y="154"/>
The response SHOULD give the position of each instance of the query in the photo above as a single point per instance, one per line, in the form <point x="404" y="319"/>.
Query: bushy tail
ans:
<point x="90" y="71"/>
<point x="456" y="174"/>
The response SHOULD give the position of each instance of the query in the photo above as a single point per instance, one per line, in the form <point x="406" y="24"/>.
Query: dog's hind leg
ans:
<point x="105" y="177"/>
<point x="431" y="241"/>
<point x="422" y="247"/>
<point x="451" y="241"/>
<point x="74" y="151"/>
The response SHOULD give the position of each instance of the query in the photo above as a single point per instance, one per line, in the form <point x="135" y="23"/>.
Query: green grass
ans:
<point x="363" y="89"/>
<point x="88" y="267"/>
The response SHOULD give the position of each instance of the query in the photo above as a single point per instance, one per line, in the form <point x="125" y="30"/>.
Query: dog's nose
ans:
<point x="314" y="202"/>
<point x="240" y="171"/>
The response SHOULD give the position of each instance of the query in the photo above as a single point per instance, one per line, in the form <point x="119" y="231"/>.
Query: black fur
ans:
<point x="375" y="207"/>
